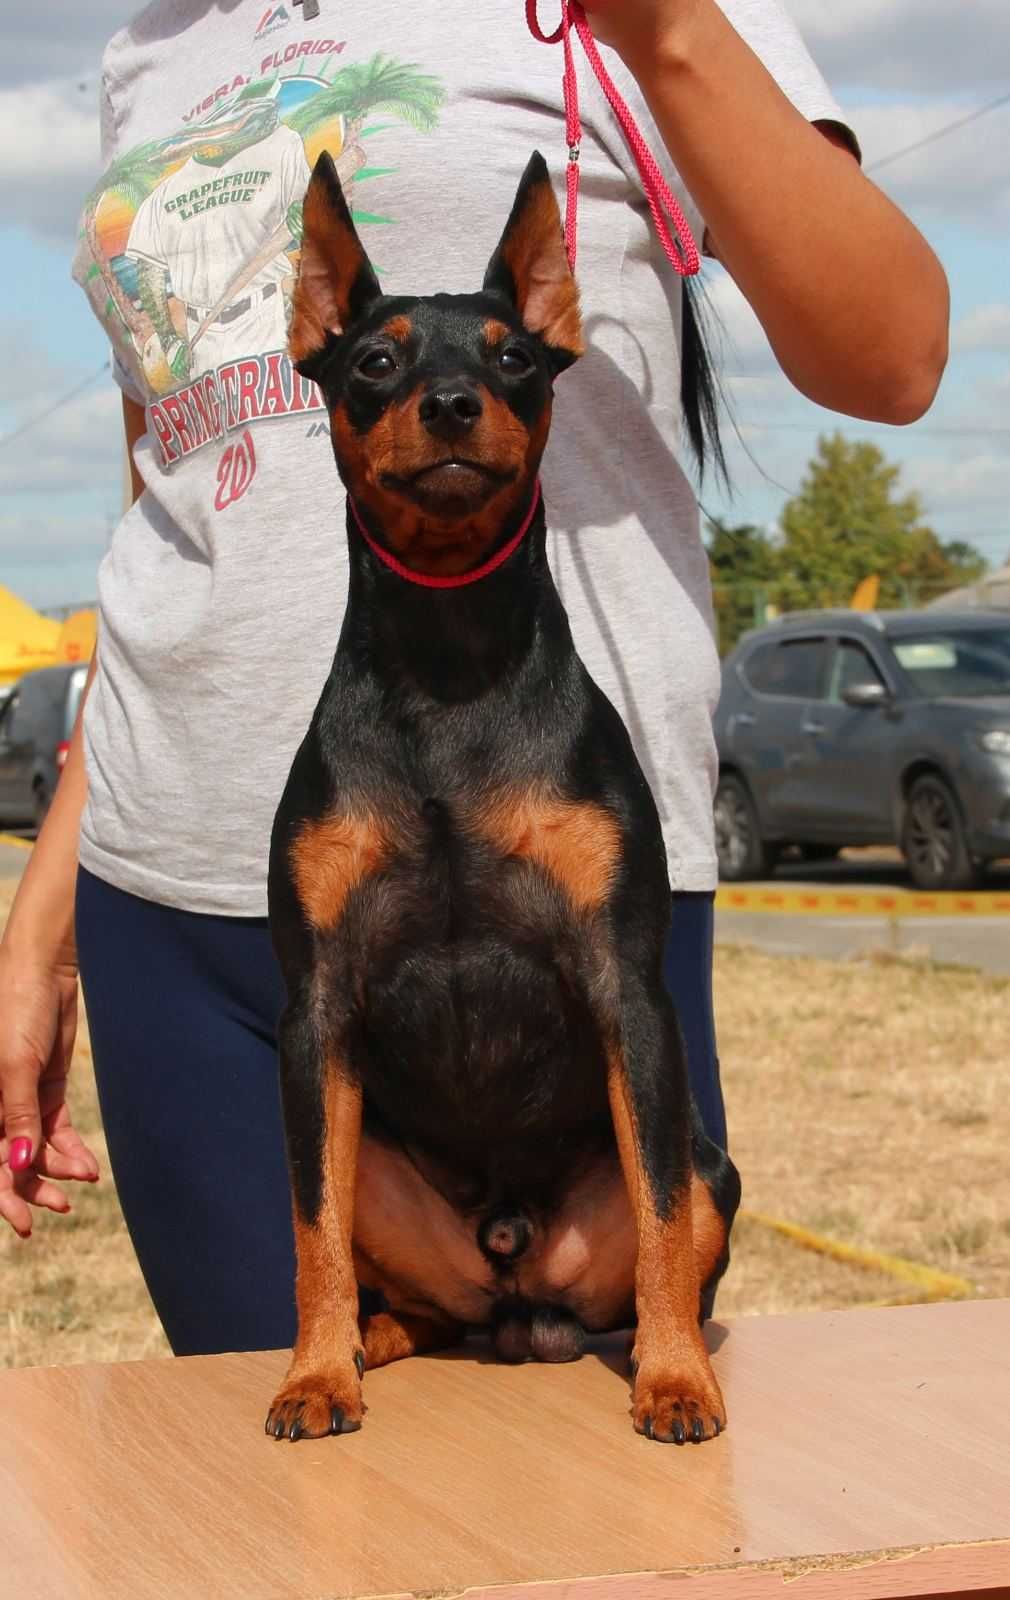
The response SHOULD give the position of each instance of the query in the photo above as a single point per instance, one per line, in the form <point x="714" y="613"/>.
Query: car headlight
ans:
<point x="996" y="741"/>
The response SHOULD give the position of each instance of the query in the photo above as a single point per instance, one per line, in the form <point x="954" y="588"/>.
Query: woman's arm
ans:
<point x="853" y="300"/>
<point x="38" y="990"/>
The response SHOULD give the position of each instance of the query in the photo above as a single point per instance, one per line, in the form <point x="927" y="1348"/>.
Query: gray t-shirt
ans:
<point x="222" y="593"/>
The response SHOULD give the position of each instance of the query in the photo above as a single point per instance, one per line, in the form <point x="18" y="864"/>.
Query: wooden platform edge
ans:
<point x="922" y="1572"/>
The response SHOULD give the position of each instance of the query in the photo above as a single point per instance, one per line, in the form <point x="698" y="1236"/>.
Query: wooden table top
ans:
<point x="866" y="1456"/>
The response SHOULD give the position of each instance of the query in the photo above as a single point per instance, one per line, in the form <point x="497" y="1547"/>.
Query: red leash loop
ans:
<point x="674" y="235"/>
<point x="461" y="579"/>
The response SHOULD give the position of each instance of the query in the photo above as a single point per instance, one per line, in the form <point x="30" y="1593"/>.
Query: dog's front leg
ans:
<point x="322" y="1111"/>
<point x="676" y="1396"/>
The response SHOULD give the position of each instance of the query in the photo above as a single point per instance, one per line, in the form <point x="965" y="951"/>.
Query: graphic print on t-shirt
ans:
<point x="191" y="241"/>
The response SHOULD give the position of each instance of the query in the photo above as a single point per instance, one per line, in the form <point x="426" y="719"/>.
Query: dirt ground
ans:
<point x="867" y="1102"/>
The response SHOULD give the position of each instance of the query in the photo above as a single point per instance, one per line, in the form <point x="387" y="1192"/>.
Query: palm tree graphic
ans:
<point x="347" y="98"/>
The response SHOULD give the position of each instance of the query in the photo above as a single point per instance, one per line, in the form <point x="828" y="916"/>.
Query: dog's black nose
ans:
<point x="450" y="410"/>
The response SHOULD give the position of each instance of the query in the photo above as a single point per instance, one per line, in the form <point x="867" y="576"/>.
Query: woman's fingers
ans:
<point x="65" y="1155"/>
<point x="19" y="1194"/>
<point x="19" y="1107"/>
<point x="13" y="1209"/>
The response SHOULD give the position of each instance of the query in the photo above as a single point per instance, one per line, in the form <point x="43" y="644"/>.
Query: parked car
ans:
<point x="36" y="722"/>
<point x="849" y="728"/>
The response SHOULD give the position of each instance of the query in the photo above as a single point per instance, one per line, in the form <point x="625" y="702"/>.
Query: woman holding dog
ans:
<point x="221" y="594"/>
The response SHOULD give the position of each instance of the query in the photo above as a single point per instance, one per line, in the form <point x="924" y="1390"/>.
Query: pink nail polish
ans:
<point x="21" y="1154"/>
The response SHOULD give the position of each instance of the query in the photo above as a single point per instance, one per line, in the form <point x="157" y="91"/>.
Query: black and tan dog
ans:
<point x="485" y="1093"/>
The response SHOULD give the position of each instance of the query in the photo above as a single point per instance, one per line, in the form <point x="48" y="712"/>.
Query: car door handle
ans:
<point x="745" y="719"/>
<point x="812" y="727"/>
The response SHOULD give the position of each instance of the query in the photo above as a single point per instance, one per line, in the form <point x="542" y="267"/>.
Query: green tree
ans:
<point x="849" y="522"/>
<point x="744" y="565"/>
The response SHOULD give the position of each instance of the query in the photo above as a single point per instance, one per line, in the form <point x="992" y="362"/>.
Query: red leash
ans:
<point x="674" y="235"/>
<point x="462" y="578"/>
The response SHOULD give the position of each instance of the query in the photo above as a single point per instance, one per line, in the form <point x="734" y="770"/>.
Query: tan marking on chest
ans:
<point x="577" y="842"/>
<point x="329" y="858"/>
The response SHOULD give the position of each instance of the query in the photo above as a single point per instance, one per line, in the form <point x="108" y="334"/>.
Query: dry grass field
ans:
<point x="867" y="1101"/>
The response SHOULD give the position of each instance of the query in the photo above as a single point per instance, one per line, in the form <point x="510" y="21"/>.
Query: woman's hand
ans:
<point x="789" y="214"/>
<point x="636" y="28"/>
<point x="38" y="1141"/>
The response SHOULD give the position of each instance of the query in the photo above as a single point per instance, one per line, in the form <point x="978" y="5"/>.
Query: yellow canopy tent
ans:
<point x="26" y="639"/>
<point x="77" y="637"/>
<point x="866" y="594"/>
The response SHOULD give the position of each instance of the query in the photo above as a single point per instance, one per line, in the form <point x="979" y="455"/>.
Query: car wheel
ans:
<point x="932" y="837"/>
<point x="741" y="851"/>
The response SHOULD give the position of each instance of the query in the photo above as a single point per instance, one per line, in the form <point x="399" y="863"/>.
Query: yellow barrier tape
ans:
<point x="929" y="1284"/>
<point x="19" y="844"/>
<point x="895" y="904"/>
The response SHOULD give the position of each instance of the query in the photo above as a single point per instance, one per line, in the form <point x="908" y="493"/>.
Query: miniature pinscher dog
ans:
<point x="485" y="1092"/>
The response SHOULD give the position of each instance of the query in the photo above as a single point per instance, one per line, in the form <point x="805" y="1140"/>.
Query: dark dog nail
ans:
<point x="678" y="1433"/>
<point x="697" y="1431"/>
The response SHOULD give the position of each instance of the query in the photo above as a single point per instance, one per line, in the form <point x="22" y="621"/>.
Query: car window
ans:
<point x="968" y="664"/>
<point x="75" y="688"/>
<point x="851" y="668"/>
<point x="789" y="667"/>
<point x="8" y="715"/>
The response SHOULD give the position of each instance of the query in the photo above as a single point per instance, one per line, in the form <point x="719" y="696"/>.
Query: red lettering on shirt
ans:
<point x="273" y="402"/>
<point x="163" y="430"/>
<point x="305" y="395"/>
<point x="248" y="385"/>
<point x="227" y="377"/>
<point x="235" y="471"/>
<point x="177" y="416"/>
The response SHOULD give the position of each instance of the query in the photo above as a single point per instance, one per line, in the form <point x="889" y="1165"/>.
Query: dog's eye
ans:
<point x="514" y="360"/>
<point x="376" y="364"/>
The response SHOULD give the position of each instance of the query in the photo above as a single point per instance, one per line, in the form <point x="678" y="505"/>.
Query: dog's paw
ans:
<point x="310" y="1405"/>
<point x="677" y="1405"/>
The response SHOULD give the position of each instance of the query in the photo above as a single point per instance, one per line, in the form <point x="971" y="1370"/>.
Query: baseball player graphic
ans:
<point x="211" y="242"/>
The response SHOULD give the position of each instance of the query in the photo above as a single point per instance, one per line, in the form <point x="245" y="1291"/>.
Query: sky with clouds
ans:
<point x="902" y="69"/>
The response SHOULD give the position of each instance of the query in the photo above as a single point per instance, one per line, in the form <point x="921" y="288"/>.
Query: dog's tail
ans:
<point x="504" y="1237"/>
<point x="699" y="388"/>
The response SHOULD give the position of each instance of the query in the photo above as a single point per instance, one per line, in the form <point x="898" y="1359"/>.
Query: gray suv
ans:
<point x="848" y="728"/>
<point x="36" y="722"/>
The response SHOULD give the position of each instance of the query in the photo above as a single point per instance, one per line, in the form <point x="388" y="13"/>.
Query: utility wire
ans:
<point x="33" y="422"/>
<point x="940" y="133"/>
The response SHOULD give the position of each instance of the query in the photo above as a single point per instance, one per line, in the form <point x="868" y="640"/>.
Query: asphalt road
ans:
<point x="12" y="857"/>
<point x="982" y="942"/>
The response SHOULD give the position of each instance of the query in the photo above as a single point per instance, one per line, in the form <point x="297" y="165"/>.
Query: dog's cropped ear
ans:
<point x="530" y="268"/>
<point x="335" y="277"/>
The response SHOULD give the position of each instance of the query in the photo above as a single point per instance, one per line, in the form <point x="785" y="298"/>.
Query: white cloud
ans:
<point x="978" y="482"/>
<point x="49" y="155"/>
<point x="744" y="345"/>
<point x="75" y="449"/>
<point x="963" y="176"/>
<point x="986" y="328"/>
<point x="909" y="44"/>
<point x="64" y="37"/>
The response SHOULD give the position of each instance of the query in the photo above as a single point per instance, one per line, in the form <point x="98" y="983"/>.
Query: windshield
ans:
<point x="75" y="688"/>
<point x="967" y="665"/>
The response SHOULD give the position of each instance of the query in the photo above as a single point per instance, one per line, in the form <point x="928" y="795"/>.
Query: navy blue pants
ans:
<point x="183" y="1012"/>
